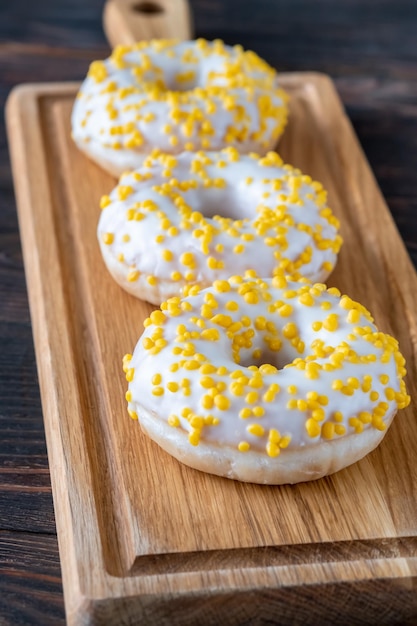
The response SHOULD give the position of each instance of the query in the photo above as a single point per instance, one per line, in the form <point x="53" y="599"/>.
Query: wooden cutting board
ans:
<point x="144" y="539"/>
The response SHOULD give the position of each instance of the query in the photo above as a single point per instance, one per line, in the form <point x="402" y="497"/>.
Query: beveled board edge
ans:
<point x="107" y="599"/>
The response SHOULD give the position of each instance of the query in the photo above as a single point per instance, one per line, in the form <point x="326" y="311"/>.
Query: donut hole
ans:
<point x="227" y="202"/>
<point x="174" y="85"/>
<point x="266" y="358"/>
<point x="173" y="75"/>
<point x="259" y="354"/>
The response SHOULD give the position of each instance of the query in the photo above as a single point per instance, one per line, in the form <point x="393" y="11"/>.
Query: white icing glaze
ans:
<point x="174" y="96"/>
<point x="329" y="375"/>
<point x="273" y="220"/>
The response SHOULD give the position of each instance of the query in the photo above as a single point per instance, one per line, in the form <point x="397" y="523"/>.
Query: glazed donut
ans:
<point x="176" y="96"/>
<point x="265" y="381"/>
<point x="199" y="217"/>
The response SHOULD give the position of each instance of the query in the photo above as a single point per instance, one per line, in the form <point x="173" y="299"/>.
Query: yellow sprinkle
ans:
<point x="334" y="292"/>
<point x="211" y="263"/>
<point x="274" y="435"/>
<point x="292" y="404"/>
<point x="156" y="379"/>
<point x="365" y="417"/>
<point x="207" y="382"/>
<point x="157" y="317"/>
<point x="272" y="449"/>
<point x="222" y="402"/>
<point x="279" y="282"/>
<point x="327" y="266"/>
<point x="331" y="323"/>
<point x="237" y="389"/>
<point x="255" y="429"/>
<point x="328" y="430"/>
<point x="245" y="413"/>
<point x="243" y="446"/>
<point x="207" y="368"/>
<point x="194" y="437"/>
<point x="124" y="191"/>
<point x="187" y="258"/>
<point x="221" y="286"/>
<point x="105" y="201"/>
<point x="251" y="297"/>
<point x="306" y="299"/>
<point x="285" y="310"/>
<point x="285" y="441"/>
<point x="97" y="71"/>
<point x="318" y="415"/>
<point x="231" y="305"/>
<point x="197" y="422"/>
<point x="290" y="330"/>
<point x="108" y="238"/>
<point x="207" y="402"/>
<point x="251" y="397"/>
<point x="133" y="275"/>
<point x="356" y="424"/>
<point x="312" y="370"/>
<point x="210" y="334"/>
<point x="173" y="420"/>
<point x="353" y="316"/>
<point x="352" y="381"/>
<point x="389" y="393"/>
<point x="313" y="428"/>
<point x="269" y="396"/>
<point x="167" y="255"/>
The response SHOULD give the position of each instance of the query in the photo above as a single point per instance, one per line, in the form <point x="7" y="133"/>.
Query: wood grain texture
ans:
<point x="367" y="47"/>
<point x="125" y="22"/>
<point x="30" y="578"/>
<point x="147" y="548"/>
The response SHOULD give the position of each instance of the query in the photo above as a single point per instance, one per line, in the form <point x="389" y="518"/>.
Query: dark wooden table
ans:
<point x="369" y="47"/>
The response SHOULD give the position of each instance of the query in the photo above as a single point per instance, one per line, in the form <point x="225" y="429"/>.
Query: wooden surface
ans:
<point x="125" y="21"/>
<point x="132" y="522"/>
<point x="369" y="49"/>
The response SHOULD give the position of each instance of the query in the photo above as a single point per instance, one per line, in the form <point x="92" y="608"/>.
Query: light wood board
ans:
<point x="144" y="539"/>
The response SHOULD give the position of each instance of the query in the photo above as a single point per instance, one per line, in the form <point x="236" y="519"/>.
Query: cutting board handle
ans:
<point x="127" y="21"/>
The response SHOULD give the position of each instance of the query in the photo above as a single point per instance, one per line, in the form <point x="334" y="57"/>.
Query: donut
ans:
<point x="176" y="96"/>
<point x="200" y="217"/>
<point x="265" y="380"/>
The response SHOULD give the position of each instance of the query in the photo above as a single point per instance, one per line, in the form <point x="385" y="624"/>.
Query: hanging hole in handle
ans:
<point x="149" y="8"/>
